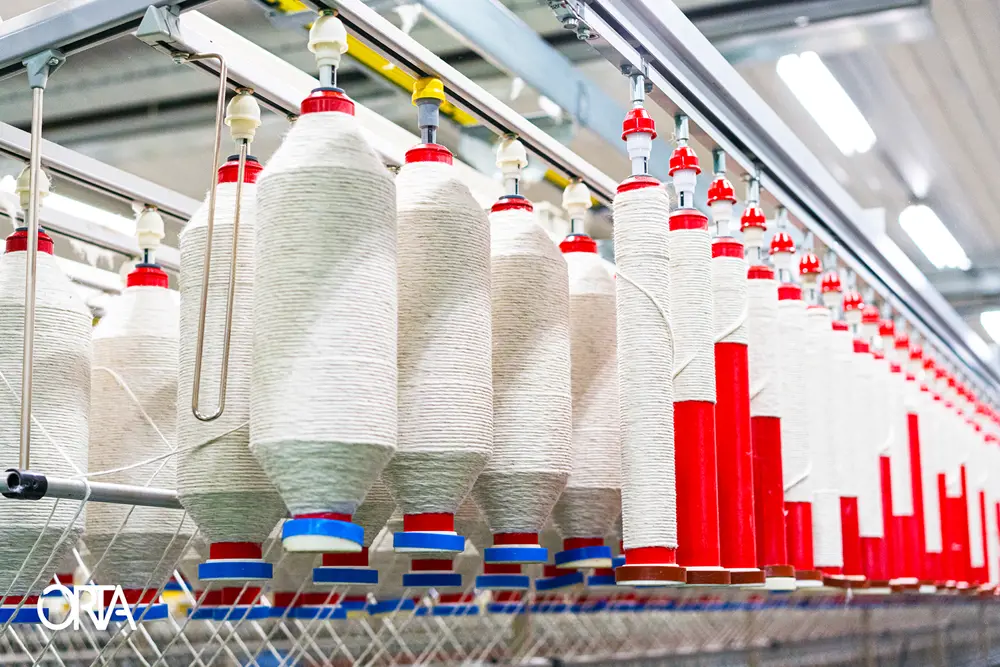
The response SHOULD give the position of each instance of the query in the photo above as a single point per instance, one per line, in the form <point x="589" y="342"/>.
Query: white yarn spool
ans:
<point x="134" y="400"/>
<point x="219" y="483"/>
<point x="766" y="346"/>
<point x="899" y="448"/>
<point x="445" y="349"/>
<point x="869" y="404"/>
<point x="645" y="366"/>
<point x="469" y="521"/>
<point x="324" y="382"/>
<point x="824" y="365"/>
<point x="976" y="472"/>
<point x="532" y="400"/>
<point x="592" y="498"/>
<point x="843" y="434"/>
<point x="921" y="404"/>
<point x="60" y="408"/>
<point x="795" y="366"/>
<point x="730" y="294"/>
<point x="692" y="317"/>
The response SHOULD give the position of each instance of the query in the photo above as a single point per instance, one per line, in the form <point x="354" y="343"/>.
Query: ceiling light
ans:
<point x="933" y="238"/>
<point x="78" y="209"/>
<point x="990" y="319"/>
<point x="828" y="103"/>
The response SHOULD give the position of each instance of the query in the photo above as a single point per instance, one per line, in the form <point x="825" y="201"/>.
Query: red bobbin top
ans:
<point x="789" y="292"/>
<point x="638" y="120"/>
<point x="688" y="218"/>
<point x="721" y="190"/>
<point x="230" y="171"/>
<point x="753" y="216"/>
<point x="839" y="325"/>
<point x="578" y="243"/>
<point x="878" y="354"/>
<point x="870" y="315"/>
<point x="512" y="203"/>
<point x="902" y="342"/>
<point x="327" y="99"/>
<point x="147" y="275"/>
<point x="760" y="272"/>
<point x="782" y="242"/>
<point x="830" y="282"/>
<point x="428" y="153"/>
<point x="638" y="182"/>
<point x="886" y="328"/>
<point x="861" y="347"/>
<point x="916" y="352"/>
<point x="929" y="365"/>
<point x="809" y="265"/>
<point x="726" y="246"/>
<point x="853" y="301"/>
<point x="18" y="241"/>
<point x="684" y="158"/>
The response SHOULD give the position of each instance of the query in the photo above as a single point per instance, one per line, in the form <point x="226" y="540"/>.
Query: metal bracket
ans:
<point x="159" y="26"/>
<point x="42" y="65"/>
<point x="568" y="13"/>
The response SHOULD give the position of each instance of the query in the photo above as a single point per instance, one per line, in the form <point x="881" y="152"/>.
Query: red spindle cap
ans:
<point x="782" y="242"/>
<point x="830" y="282"/>
<point x="638" y="120"/>
<point x="578" y="243"/>
<point x="327" y="99"/>
<point x="753" y="216"/>
<point x="684" y="158"/>
<point x="721" y="190"/>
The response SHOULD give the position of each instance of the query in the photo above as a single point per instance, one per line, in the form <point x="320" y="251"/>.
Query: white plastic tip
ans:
<point x="328" y="40"/>
<point x="511" y="156"/>
<point x="149" y="228"/>
<point x="685" y="180"/>
<point x="869" y="331"/>
<point x="639" y="145"/>
<point x="722" y="211"/>
<point x="243" y="117"/>
<point x="809" y="281"/>
<point x="753" y="237"/>
<point x="576" y="199"/>
<point x="853" y="317"/>
<point x="782" y="261"/>
<point x="23" y="189"/>
<point x="831" y="299"/>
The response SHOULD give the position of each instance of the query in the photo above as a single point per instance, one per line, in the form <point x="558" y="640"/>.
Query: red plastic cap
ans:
<point x="782" y="242"/>
<point x="887" y="328"/>
<point x="147" y="275"/>
<point x="721" y="190"/>
<point x="916" y="352"/>
<point x="830" y="282"/>
<point x="684" y="158"/>
<point x="727" y="247"/>
<point x="230" y="171"/>
<point x="578" y="243"/>
<point x="853" y="301"/>
<point x="753" y="216"/>
<point x="688" y="218"/>
<point x="327" y="99"/>
<point x="861" y="346"/>
<point x="512" y="203"/>
<point x="789" y="292"/>
<point x="760" y="272"/>
<point x="878" y="354"/>
<point x="18" y="241"/>
<point x="638" y="120"/>
<point x="870" y="315"/>
<point x="839" y="325"/>
<point x="929" y="364"/>
<point x="637" y="183"/>
<point x="809" y="265"/>
<point x="902" y="342"/>
<point x="428" y="153"/>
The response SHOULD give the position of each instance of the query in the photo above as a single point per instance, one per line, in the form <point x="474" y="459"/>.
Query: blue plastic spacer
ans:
<point x="345" y="575"/>
<point x="353" y="605"/>
<point x="426" y="541"/>
<point x="583" y="555"/>
<point x="516" y="555"/>
<point x="203" y="613"/>
<point x="562" y="581"/>
<point x="549" y="607"/>
<point x="455" y="610"/>
<point x="617" y="561"/>
<point x="344" y="530"/>
<point x="26" y="614"/>
<point x="318" y="612"/>
<point x="389" y="606"/>
<point x="432" y="579"/>
<point x="601" y="580"/>
<point x="278" y="612"/>
<point x="506" y="607"/>
<point x="235" y="570"/>
<point x="172" y="585"/>
<point x="503" y="582"/>
<point x="157" y="611"/>
<point x="242" y="612"/>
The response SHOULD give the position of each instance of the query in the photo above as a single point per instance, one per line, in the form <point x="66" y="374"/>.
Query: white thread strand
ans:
<point x="323" y="417"/>
<point x="532" y="396"/>
<point x="469" y="521"/>
<point x="692" y="316"/>
<point x="42" y="530"/>
<point x="899" y="448"/>
<point x="795" y="424"/>
<point x="729" y="297"/>
<point x="764" y="348"/>
<point x="870" y="402"/>
<point x="592" y="499"/>
<point x="134" y="399"/>
<point x="218" y="481"/>
<point x="445" y="349"/>
<point x="645" y="368"/>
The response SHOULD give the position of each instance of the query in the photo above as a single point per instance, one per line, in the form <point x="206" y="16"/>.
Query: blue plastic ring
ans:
<point x="56" y="593"/>
<point x="157" y="611"/>
<point x="455" y="610"/>
<point x="239" y="570"/>
<point x="203" y="613"/>
<point x="580" y="554"/>
<point x="387" y="606"/>
<point x="311" y="612"/>
<point x="428" y="541"/>
<point x="617" y="561"/>
<point x="601" y="580"/>
<point x="506" y="607"/>
<point x="516" y="555"/>
<point x="344" y="530"/>
<point x="345" y="575"/>
<point x="26" y="614"/>
<point x="432" y="579"/>
<point x="503" y="582"/>
<point x="562" y="581"/>
<point x="241" y="612"/>
<point x="549" y="607"/>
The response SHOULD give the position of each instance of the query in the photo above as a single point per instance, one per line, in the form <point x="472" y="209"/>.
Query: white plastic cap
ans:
<point x="831" y="299"/>
<point x="576" y="200"/>
<point x="809" y="281"/>
<point x="328" y="40"/>
<point x="853" y="317"/>
<point x="722" y="212"/>
<point x="684" y="180"/>
<point x="639" y="145"/>
<point x="753" y="237"/>
<point x="23" y="189"/>
<point x="243" y="117"/>
<point x="869" y="331"/>
<point x="511" y="157"/>
<point x="149" y="228"/>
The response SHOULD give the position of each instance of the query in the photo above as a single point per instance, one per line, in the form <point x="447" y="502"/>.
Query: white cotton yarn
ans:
<point x="765" y="347"/>
<point x="843" y="433"/>
<point x="796" y="375"/>
<point x="730" y="294"/>
<point x="134" y="400"/>
<point x="592" y="498"/>
<point x="869" y="402"/>
<point x="373" y="513"/>
<point x="692" y="317"/>
<point x="899" y="447"/>
<point x="219" y="483"/>
<point x="922" y="404"/>
<point x="532" y="399"/>
<point x="976" y="473"/>
<point x="645" y="367"/>
<point x="444" y="346"/>
<point x="469" y="521"/>
<point x="60" y="411"/>
<point x="323" y="390"/>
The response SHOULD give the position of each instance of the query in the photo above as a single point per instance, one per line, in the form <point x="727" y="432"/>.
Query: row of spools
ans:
<point x="393" y="348"/>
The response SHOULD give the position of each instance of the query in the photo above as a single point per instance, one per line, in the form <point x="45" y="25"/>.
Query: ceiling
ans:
<point x="924" y="73"/>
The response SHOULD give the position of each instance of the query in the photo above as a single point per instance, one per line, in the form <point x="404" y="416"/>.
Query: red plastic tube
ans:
<point x="799" y="529"/>
<point x="888" y="525"/>
<point x="769" y="492"/>
<point x="965" y="530"/>
<point x="875" y="561"/>
<point x="984" y="572"/>
<point x="917" y="486"/>
<point x="697" y="492"/>
<point x="734" y="452"/>
<point x="851" y="536"/>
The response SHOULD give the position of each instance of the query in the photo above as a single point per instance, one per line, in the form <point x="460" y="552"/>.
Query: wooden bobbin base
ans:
<point x="809" y="578"/>
<point x="649" y="575"/>
<point x="904" y="585"/>
<point x="779" y="572"/>
<point x="747" y="577"/>
<point x="713" y="577"/>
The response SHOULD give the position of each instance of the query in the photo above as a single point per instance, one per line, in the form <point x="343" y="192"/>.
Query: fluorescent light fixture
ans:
<point x="933" y="238"/>
<point x="826" y="100"/>
<point x="57" y="202"/>
<point x="990" y="319"/>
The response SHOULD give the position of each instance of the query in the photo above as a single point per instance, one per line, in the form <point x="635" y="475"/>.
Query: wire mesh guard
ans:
<point x="601" y="624"/>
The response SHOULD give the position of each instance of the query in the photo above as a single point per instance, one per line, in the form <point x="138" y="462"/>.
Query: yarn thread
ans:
<point x="692" y="316"/>
<point x="870" y="404"/>
<point x="796" y="403"/>
<point x="765" y="347"/>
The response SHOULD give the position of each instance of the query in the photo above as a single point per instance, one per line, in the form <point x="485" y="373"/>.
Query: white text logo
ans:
<point x="87" y="599"/>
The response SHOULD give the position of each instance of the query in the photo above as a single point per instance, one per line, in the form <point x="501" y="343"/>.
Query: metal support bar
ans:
<point x="25" y="485"/>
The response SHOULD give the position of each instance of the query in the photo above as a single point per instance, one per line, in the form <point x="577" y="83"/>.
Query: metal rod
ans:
<point x="100" y="492"/>
<point x="30" y="271"/>
<point x="220" y="115"/>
